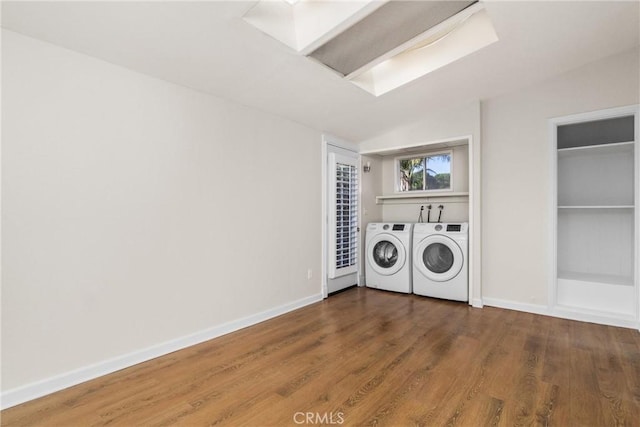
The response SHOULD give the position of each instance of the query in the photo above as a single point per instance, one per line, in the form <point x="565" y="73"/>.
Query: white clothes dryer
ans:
<point x="440" y="264"/>
<point x="388" y="263"/>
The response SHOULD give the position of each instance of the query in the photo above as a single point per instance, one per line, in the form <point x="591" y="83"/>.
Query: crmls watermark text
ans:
<point x="318" y="418"/>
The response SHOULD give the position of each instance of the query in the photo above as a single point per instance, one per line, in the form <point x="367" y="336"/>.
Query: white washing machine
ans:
<point x="388" y="249"/>
<point x="440" y="263"/>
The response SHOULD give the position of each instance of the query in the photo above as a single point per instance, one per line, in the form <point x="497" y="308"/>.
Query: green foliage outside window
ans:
<point x="431" y="172"/>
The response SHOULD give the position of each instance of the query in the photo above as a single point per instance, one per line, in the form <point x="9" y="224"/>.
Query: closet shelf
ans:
<point x="597" y="207"/>
<point x="596" y="278"/>
<point x="421" y="196"/>
<point x="616" y="146"/>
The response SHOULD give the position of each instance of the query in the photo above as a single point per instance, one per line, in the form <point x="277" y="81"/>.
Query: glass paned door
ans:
<point x="343" y="215"/>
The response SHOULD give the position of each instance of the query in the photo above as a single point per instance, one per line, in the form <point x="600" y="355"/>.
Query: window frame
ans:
<point x="397" y="183"/>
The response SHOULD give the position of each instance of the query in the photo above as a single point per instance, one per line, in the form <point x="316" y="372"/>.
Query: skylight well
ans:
<point x="384" y="30"/>
<point x="378" y="45"/>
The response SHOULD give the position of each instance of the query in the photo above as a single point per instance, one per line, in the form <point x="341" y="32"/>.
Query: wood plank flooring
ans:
<point x="367" y="357"/>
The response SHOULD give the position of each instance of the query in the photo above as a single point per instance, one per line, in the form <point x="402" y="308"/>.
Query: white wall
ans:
<point x="516" y="162"/>
<point x="436" y="125"/>
<point x="371" y="186"/>
<point x="136" y="211"/>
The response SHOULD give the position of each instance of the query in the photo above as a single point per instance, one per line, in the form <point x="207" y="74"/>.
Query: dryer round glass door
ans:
<point x="438" y="258"/>
<point x="386" y="254"/>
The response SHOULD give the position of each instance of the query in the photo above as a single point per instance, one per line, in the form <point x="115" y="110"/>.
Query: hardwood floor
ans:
<point x="367" y="357"/>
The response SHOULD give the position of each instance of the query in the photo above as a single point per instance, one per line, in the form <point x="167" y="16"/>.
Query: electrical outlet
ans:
<point x="309" y="274"/>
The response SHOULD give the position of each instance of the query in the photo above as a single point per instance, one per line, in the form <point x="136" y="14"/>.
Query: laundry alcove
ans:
<point x="382" y="201"/>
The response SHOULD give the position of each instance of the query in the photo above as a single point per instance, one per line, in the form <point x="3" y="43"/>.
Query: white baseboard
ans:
<point x="477" y="303"/>
<point x="564" y="313"/>
<point x="595" y="317"/>
<point x="41" y="388"/>
<point x="518" y="306"/>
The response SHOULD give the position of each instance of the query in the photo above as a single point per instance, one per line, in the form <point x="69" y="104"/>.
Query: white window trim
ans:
<point x="396" y="166"/>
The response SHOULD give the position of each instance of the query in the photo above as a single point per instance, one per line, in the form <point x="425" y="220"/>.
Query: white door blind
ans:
<point x="344" y="221"/>
<point x="346" y="218"/>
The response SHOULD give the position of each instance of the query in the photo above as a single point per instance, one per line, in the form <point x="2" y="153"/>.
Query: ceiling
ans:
<point x="207" y="46"/>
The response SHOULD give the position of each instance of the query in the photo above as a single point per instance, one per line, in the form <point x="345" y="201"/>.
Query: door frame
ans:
<point x="330" y="140"/>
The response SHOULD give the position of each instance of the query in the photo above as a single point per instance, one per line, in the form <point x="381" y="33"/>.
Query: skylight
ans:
<point x="382" y="31"/>
<point x="457" y="37"/>
<point x="377" y="45"/>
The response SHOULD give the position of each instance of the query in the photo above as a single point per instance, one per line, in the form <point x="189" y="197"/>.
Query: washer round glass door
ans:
<point x="438" y="258"/>
<point x="386" y="254"/>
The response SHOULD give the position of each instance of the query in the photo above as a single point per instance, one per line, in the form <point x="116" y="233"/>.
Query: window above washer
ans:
<point x="425" y="173"/>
